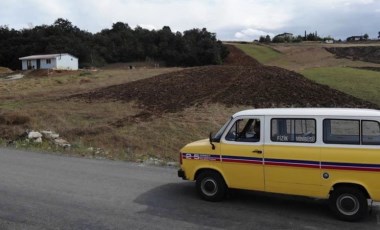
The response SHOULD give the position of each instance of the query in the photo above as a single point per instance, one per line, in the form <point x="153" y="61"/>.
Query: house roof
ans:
<point x="43" y="56"/>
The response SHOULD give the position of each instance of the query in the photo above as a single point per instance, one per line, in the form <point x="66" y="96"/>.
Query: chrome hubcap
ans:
<point x="209" y="187"/>
<point x="347" y="204"/>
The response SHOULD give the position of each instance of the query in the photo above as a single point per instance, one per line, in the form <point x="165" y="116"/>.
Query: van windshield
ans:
<point x="219" y="134"/>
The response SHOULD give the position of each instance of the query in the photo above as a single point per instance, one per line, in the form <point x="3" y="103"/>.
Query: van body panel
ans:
<point x="292" y="169"/>
<point x="358" y="165"/>
<point x="200" y="155"/>
<point x="243" y="168"/>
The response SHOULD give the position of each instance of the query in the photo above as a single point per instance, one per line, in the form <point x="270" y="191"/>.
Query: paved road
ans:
<point x="43" y="191"/>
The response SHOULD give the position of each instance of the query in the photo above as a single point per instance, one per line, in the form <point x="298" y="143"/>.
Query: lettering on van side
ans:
<point x="199" y="156"/>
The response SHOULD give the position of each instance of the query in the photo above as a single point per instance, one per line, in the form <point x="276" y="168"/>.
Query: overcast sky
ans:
<point x="231" y="20"/>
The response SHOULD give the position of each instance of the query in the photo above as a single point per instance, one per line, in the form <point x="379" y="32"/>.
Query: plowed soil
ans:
<point x="362" y="53"/>
<point x="240" y="81"/>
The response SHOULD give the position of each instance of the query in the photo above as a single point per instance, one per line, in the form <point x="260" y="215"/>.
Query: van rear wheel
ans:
<point x="349" y="203"/>
<point x="211" y="186"/>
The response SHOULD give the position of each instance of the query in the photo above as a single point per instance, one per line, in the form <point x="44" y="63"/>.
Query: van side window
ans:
<point x="341" y="131"/>
<point x="370" y="133"/>
<point x="245" y="130"/>
<point x="293" y="130"/>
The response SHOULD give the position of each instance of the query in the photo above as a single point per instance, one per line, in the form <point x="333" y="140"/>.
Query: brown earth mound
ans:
<point x="5" y="70"/>
<point x="246" y="83"/>
<point x="237" y="57"/>
<point x="362" y="53"/>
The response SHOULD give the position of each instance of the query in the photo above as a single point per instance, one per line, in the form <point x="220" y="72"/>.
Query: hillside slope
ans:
<point x="241" y="81"/>
<point x="362" y="53"/>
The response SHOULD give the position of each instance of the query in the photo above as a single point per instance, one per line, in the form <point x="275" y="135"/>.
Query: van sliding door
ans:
<point x="292" y="156"/>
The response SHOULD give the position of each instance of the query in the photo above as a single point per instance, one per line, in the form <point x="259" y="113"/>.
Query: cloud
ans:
<point x="251" y="34"/>
<point x="149" y="27"/>
<point x="230" y="19"/>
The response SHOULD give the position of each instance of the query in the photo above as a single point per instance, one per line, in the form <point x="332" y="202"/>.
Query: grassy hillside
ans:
<point x="363" y="84"/>
<point x="315" y="63"/>
<point x="263" y="54"/>
<point x="105" y="128"/>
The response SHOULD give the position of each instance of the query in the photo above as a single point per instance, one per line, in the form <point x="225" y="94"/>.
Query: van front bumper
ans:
<point x="181" y="174"/>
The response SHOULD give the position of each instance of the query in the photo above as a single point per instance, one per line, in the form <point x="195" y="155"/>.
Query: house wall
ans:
<point x="24" y="64"/>
<point x="52" y="65"/>
<point x="43" y="64"/>
<point x="67" y="62"/>
<point x="63" y="61"/>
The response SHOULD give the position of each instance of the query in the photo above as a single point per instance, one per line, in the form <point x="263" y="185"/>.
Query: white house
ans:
<point x="50" y="61"/>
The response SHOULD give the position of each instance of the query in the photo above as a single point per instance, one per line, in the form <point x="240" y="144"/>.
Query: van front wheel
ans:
<point x="211" y="186"/>
<point x="349" y="203"/>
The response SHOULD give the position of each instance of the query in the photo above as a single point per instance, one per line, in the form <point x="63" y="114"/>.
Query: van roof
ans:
<point x="343" y="112"/>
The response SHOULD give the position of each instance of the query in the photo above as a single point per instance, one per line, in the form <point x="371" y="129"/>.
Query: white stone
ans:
<point x="50" y="135"/>
<point x="38" y="140"/>
<point x="54" y="136"/>
<point x="34" y="135"/>
<point x="14" y="77"/>
<point x="62" y="143"/>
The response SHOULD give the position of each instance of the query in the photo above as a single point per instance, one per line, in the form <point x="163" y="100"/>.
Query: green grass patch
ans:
<point x="11" y="104"/>
<point x="364" y="84"/>
<point x="261" y="53"/>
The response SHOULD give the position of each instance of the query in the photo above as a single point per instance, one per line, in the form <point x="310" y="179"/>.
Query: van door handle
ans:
<point x="257" y="151"/>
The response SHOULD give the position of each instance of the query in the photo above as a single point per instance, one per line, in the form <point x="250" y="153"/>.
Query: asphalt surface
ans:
<point x="45" y="191"/>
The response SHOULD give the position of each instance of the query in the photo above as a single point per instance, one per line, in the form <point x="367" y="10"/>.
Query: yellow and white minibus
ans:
<point x="326" y="153"/>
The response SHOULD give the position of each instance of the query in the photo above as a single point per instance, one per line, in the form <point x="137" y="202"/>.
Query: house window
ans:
<point x="48" y="61"/>
<point x="293" y="130"/>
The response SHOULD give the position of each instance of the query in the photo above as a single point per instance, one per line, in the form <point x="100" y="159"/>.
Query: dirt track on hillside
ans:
<point x="240" y="81"/>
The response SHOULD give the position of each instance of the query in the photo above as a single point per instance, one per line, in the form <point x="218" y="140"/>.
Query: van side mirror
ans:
<point x="210" y="139"/>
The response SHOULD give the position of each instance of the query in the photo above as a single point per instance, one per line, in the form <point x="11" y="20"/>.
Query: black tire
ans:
<point x="349" y="203"/>
<point x="211" y="186"/>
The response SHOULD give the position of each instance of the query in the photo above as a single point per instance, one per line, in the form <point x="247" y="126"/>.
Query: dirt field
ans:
<point x="147" y="112"/>
<point x="367" y="54"/>
<point x="4" y="70"/>
<point x="241" y="81"/>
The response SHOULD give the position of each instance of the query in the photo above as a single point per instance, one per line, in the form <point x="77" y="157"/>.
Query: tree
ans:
<point x="379" y="35"/>
<point x="313" y="37"/>
<point x="299" y="38"/>
<point x="278" y="39"/>
<point x="365" y="36"/>
<point x="121" y="43"/>
<point x="267" y="39"/>
<point x="64" y="25"/>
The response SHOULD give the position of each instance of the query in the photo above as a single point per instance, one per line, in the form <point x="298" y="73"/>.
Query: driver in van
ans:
<point x="256" y="130"/>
